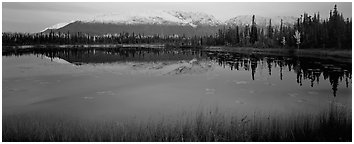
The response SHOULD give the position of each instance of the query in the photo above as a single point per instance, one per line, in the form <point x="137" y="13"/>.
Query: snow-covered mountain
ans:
<point x="156" y="17"/>
<point x="161" y="22"/>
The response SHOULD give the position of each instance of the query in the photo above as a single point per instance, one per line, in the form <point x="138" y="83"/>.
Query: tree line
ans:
<point x="307" y="32"/>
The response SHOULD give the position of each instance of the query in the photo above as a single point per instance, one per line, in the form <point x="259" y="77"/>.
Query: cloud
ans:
<point x="40" y="6"/>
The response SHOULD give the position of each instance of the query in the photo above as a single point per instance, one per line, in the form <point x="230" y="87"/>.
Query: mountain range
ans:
<point x="161" y="22"/>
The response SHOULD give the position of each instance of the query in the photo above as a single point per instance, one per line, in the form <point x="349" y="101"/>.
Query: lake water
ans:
<point x="113" y="83"/>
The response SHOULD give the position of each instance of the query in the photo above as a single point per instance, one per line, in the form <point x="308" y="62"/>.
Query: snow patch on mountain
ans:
<point x="147" y="17"/>
<point x="196" y="18"/>
<point x="57" y="26"/>
<point x="156" y="17"/>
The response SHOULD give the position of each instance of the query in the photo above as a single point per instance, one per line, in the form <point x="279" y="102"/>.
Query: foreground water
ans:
<point x="146" y="83"/>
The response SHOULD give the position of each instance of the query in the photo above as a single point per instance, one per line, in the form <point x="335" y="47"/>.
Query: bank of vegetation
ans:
<point x="333" y="124"/>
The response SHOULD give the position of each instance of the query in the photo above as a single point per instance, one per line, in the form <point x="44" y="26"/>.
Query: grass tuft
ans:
<point x="334" y="124"/>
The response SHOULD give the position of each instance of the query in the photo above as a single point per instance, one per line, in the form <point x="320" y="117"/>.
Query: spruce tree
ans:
<point x="253" y="35"/>
<point x="270" y="29"/>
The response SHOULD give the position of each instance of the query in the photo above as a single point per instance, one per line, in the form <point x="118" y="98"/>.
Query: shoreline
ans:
<point x="89" y="46"/>
<point x="337" y="55"/>
<point x="333" y="54"/>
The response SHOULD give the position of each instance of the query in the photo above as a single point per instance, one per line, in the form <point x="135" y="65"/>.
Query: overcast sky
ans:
<point x="34" y="17"/>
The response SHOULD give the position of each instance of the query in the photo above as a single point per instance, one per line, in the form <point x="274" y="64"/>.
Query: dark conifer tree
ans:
<point x="253" y="35"/>
<point x="270" y="29"/>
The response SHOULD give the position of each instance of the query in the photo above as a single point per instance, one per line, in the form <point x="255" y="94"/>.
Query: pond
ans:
<point x="125" y="83"/>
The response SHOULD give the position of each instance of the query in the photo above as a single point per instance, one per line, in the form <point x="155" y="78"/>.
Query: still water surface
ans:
<point x="113" y="83"/>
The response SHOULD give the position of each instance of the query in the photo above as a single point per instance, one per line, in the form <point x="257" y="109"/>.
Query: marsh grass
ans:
<point x="333" y="124"/>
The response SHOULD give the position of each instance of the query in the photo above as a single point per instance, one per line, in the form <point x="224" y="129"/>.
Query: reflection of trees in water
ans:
<point x="305" y="68"/>
<point x="109" y="55"/>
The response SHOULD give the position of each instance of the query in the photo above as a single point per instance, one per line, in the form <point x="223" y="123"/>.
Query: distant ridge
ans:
<point x="161" y="22"/>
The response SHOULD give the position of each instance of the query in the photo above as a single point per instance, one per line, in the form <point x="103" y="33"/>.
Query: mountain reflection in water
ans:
<point x="305" y="68"/>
